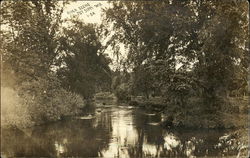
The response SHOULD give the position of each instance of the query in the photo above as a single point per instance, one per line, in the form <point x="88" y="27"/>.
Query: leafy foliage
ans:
<point x="47" y="102"/>
<point x="180" y="49"/>
<point x="49" y="81"/>
<point x="86" y="67"/>
<point x="38" y="102"/>
<point x="31" y="36"/>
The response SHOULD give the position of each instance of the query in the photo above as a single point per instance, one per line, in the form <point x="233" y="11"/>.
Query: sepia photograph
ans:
<point x="124" y="79"/>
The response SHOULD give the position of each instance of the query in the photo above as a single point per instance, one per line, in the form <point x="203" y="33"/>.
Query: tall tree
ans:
<point x="159" y="36"/>
<point x="31" y="30"/>
<point x="178" y="32"/>
<point x="223" y="58"/>
<point x="85" y="67"/>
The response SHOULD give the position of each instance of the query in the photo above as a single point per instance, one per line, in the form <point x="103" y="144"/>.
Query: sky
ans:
<point x="88" y="11"/>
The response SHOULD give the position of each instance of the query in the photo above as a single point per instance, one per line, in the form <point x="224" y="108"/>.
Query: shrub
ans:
<point x="122" y="92"/>
<point x="41" y="101"/>
<point x="13" y="111"/>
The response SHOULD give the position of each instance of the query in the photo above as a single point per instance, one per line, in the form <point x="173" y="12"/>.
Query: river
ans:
<point x="112" y="130"/>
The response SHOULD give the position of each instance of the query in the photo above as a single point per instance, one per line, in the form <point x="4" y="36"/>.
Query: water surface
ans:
<point x="111" y="130"/>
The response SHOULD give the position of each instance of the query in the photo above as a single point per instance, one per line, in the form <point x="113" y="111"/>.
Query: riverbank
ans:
<point x="232" y="115"/>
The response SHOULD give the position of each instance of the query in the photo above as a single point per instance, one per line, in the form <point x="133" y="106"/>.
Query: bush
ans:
<point x="13" y="111"/>
<point x="196" y="115"/>
<point x="122" y="92"/>
<point x="41" y="101"/>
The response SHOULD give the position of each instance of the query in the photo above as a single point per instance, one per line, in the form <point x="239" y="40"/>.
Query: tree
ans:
<point x="159" y="36"/>
<point x="175" y="31"/>
<point x="223" y="60"/>
<point x="84" y="64"/>
<point x="31" y="30"/>
<point x="30" y="47"/>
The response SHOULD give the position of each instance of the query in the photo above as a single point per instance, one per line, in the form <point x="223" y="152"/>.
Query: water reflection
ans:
<point x="115" y="131"/>
<point x="123" y="134"/>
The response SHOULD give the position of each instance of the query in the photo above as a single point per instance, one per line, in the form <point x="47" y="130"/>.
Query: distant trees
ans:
<point x="121" y="85"/>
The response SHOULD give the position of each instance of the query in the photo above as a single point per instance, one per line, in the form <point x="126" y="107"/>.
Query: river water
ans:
<point x="113" y="130"/>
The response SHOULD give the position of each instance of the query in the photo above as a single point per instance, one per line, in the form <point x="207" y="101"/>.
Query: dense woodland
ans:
<point x="191" y="54"/>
